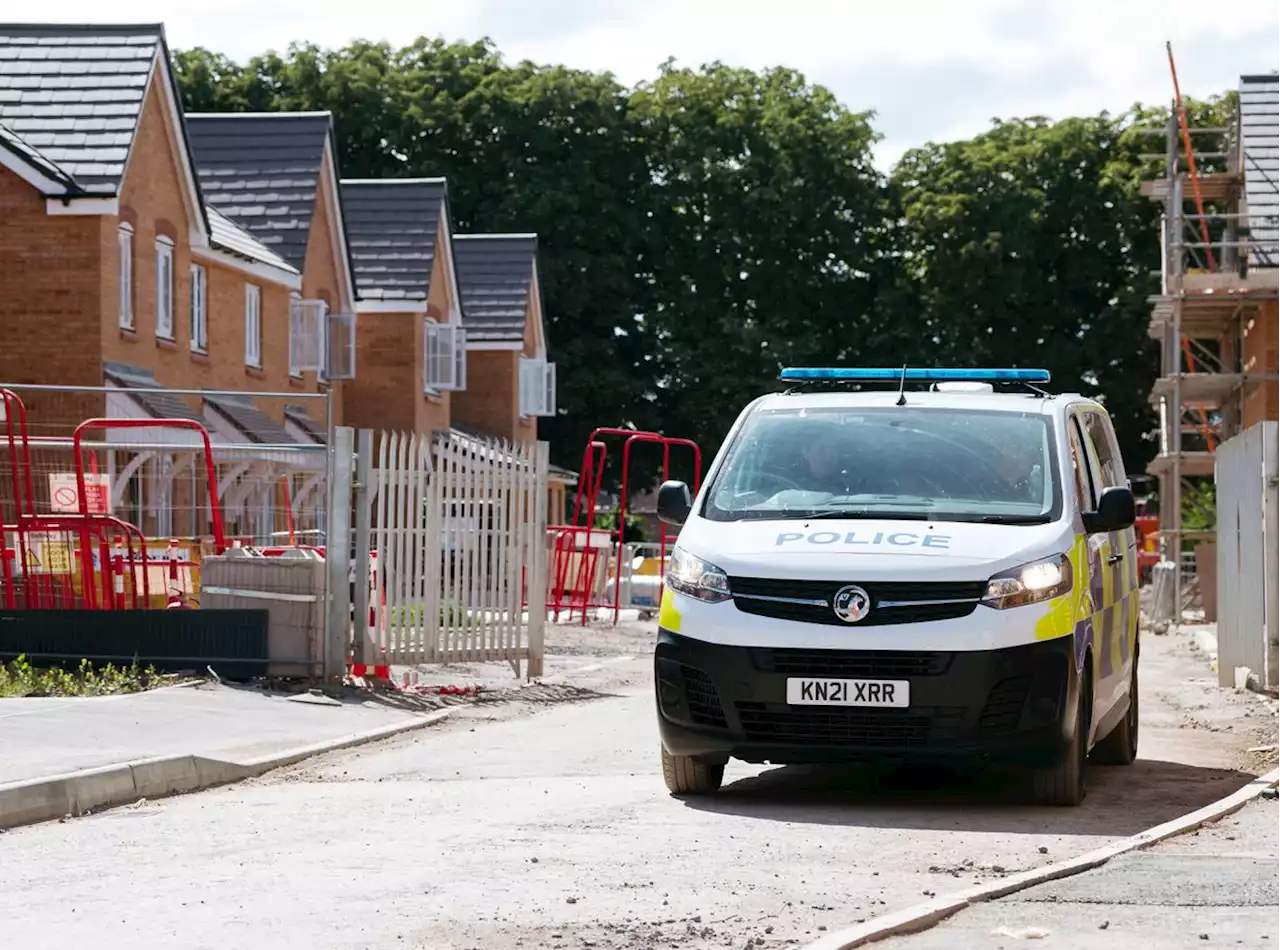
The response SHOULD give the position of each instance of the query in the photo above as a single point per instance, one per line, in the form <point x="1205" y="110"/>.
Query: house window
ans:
<point x="199" y="309"/>
<point x="253" y="326"/>
<point x="444" y="356"/>
<point x="306" y="335"/>
<point x="124" y="238"/>
<point x="537" y="387"/>
<point x="164" y="288"/>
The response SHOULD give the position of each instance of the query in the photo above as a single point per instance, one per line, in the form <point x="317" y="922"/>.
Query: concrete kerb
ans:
<point x="929" y="914"/>
<point x="76" y="793"/>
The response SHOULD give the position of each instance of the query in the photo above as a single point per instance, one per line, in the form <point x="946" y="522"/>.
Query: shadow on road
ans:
<point x="1121" y="801"/>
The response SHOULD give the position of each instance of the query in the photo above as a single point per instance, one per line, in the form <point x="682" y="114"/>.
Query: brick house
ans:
<point x="511" y="382"/>
<point x="275" y="175"/>
<point x="116" y="271"/>
<point x="410" y="333"/>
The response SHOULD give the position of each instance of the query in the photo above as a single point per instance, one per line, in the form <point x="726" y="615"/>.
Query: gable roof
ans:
<point x="75" y="93"/>
<point x="392" y="226"/>
<point x="262" y="171"/>
<point x="496" y="274"/>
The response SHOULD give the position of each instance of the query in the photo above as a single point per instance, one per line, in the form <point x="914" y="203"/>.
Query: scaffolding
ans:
<point x="1218" y="292"/>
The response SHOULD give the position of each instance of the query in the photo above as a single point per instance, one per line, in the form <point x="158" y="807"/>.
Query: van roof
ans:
<point x="998" y="402"/>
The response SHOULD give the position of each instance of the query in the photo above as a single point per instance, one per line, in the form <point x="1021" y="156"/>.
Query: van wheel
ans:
<point x="686" y="775"/>
<point x="1062" y="782"/>
<point x="1120" y="747"/>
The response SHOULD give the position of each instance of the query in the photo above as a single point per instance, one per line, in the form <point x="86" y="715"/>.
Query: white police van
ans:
<point x="942" y="575"/>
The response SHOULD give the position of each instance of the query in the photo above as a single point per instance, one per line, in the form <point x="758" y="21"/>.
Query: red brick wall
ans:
<point x="388" y="382"/>
<point x="1259" y="352"/>
<point x="50" y="303"/>
<point x="490" y="399"/>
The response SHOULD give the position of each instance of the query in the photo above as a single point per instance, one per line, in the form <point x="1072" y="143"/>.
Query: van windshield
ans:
<point x="890" y="462"/>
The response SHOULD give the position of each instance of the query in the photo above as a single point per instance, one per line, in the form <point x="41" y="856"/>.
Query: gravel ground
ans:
<point x="536" y="817"/>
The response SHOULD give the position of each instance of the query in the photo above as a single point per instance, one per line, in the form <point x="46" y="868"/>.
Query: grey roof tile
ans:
<point x="495" y="279"/>
<point x="226" y="235"/>
<point x="391" y="228"/>
<point x="263" y="169"/>
<point x="301" y="417"/>
<point x="73" y="72"/>
<point x="23" y="148"/>
<point x="255" y="424"/>
<point x="159" y="405"/>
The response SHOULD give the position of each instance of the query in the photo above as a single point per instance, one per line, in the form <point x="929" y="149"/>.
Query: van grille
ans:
<point x="879" y="729"/>
<point x="770" y="597"/>
<point x="704" y="702"/>
<point x="854" y="664"/>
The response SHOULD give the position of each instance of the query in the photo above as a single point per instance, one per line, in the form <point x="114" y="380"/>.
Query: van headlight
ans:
<point x="1030" y="584"/>
<point x="696" y="578"/>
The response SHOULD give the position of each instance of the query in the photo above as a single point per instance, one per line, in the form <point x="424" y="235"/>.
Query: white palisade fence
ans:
<point x="458" y="528"/>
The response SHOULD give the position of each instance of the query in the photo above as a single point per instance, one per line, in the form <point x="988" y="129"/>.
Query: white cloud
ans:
<point x="931" y="69"/>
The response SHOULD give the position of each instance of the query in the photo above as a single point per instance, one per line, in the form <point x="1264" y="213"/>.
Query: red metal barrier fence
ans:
<point x="111" y="497"/>
<point x="580" y="550"/>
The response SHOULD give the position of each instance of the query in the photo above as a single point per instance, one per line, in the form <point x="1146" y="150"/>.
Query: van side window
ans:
<point x="1080" y="468"/>
<point x="1108" y="460"/>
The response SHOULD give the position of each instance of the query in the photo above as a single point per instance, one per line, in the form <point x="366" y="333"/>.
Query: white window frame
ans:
<point x="124" y="241"/>
<point x="253" y="326"/>
<point x="537" y="387"/>
<point x="306" y="318"/>
<point x="199" y="309"/>
<point x="164" y="288"/>
<point x="294" y="297"/>
<point x="444" y="347"/>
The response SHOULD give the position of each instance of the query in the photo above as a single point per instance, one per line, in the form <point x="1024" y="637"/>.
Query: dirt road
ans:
<point x="539" y="819"/>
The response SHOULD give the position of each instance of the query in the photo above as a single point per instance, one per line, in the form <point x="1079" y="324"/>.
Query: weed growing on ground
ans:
<point x="20" y="678"/>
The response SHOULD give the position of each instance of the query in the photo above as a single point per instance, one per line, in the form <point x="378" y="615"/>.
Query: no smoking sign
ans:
<point x="64" y="497"/>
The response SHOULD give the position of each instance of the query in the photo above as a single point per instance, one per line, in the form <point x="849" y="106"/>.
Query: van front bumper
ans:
<point x="1013" y="705"/>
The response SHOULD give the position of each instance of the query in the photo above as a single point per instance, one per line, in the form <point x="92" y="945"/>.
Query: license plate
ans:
<point x="819" y="692"/>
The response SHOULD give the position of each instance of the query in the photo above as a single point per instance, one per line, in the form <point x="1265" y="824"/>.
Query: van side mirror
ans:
<point x="1115" y="511"/>
<point x="674" y="502"/>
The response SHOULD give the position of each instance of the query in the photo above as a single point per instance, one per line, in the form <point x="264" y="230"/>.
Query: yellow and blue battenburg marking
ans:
<point x="1101" y="607"/>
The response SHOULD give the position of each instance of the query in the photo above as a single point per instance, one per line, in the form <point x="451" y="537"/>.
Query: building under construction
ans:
<point x="1216" y="314"/>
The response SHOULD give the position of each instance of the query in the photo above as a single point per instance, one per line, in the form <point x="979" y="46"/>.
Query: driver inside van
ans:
<point x="824" y="468"/>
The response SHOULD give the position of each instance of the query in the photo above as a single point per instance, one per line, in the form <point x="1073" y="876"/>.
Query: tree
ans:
<point x="1030" y="245"/>
<point x="766" y="237"/>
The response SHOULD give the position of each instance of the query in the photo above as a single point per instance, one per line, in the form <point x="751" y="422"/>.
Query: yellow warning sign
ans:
<point x="57" y="558"/>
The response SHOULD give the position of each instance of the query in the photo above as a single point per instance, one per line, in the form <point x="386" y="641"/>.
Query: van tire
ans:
<point x="1062" y="782"/>
<point x="1120" y="747"/>
<point x="686" y="775"/>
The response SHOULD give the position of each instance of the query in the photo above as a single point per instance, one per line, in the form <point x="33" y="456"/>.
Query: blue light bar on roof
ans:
<point x="855" y="374"/>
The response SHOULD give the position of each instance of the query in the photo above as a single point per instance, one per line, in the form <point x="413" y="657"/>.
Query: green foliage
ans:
<point x="411" y="615"/>
<point x="20" y="678"/>
<point x="705" y="228"/>
<point x="766" y="240"/>
<point x="635" y="530"/>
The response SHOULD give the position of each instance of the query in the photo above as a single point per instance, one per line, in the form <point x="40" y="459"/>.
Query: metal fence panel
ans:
<point x="1247" y="537"/>
<point x="456" y="548"/>
<point x="145" y="464"/>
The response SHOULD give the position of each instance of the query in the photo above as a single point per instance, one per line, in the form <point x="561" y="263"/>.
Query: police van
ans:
<point x="946" y="574"/>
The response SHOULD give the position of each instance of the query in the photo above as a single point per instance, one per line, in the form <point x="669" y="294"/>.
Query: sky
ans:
<point x="931" y="70"/>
